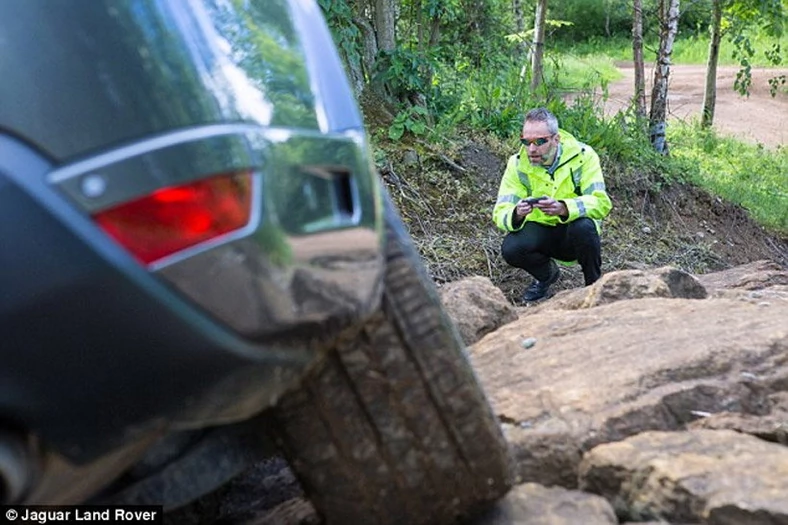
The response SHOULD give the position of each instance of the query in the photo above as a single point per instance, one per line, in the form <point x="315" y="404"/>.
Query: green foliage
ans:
<point x="405" y="72"/>
<point x="527" y="36"/>
<point x="474" y="32"/>
<point x="742" y="173"/>
<point x="766" y="15"/>
<point x="604" y="19"/>
<point x="490" y="100"/>
<point x="339" y="16"/>
<point x="774" y="54"/>
<point x="496" y="97"/>
<point x="621" y="138"/>
<point x="775" y="83"/>
<point x="592" y="17"/>
<point x="743" y="52"/>
<point x="412" y="120"/>
<point x="474" y="76"/>
<point x="768" y="19"/>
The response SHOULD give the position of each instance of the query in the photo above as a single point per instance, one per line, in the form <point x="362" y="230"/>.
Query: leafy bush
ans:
<point x="492" y="101"/>
<point x="404" y="71"/>
<point x="411" y="120"/>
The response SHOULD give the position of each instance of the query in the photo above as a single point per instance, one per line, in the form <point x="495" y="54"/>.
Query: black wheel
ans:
<point x="394" y="428"/>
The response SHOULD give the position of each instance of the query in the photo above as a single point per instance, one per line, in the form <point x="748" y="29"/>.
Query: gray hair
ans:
<point x="543" y="115"/>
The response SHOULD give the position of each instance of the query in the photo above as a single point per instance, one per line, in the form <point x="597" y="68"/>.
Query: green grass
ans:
<point x="575" y="72"/>
<point x="616" y="48"/>
<point x="695" y="50"/>
<point x="750" y="175"/>
<point x="692" y="49"/>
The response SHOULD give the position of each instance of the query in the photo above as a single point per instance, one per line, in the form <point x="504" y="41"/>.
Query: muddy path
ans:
<point x="759" y="118"/>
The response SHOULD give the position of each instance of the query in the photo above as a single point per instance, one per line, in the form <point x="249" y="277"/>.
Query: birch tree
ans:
<point x="669" y="21"/>
<point x="537" y="55"/>
<point x="710" y="91"/>
<point x="637" y="55"/>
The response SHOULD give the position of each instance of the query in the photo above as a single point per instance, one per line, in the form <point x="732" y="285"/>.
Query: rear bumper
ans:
<point x="98" y="350"/>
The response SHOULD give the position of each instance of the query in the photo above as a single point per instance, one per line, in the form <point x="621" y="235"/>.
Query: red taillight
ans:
<point x="171" y="219"/>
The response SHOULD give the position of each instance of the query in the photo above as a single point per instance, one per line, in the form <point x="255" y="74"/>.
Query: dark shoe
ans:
<point x="539" y="289"/>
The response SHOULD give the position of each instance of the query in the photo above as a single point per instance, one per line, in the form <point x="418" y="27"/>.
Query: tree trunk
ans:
<point x="435" y="31"/>
<point x="710" y="95"/>
<point x="365" y="20"/>
<point x="421" y="31"/>
<point x="384" y="25"/>
<point x="369" y="46"/>
<point x="517" y="7"/>
<point x="637" y="55"/>
<point x="669" y="20"/>
<point x="355" y="74"/>
<point x="538" y="51"/>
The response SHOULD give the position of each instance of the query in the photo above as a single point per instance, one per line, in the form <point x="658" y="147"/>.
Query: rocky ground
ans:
<point x="653" y="396"/>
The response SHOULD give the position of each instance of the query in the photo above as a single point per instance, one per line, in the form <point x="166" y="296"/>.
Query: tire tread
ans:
<point x="394" y="428"/>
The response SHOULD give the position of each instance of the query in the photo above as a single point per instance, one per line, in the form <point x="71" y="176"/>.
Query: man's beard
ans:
<point x="541" y="160"/>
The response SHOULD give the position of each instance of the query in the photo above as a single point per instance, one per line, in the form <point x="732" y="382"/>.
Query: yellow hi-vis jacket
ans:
<point x="577" y="181"/>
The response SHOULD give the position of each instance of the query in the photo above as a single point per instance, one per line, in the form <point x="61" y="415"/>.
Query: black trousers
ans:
<point x="532" y="247"/>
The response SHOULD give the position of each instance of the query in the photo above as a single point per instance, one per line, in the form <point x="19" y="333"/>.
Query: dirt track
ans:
<point x="759" y="118"/>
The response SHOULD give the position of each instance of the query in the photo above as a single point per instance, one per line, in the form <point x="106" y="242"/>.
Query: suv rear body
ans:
<point x="103" y="103"/>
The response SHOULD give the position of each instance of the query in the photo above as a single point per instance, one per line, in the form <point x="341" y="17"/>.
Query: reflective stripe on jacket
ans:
<point x="578" y="167"/>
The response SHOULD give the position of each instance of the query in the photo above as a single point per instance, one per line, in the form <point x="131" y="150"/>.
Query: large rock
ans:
<point x="476" y="306"/>
<point x="753" y="276"/>
<point x="757" y="282"/>
<point x="532" y="504"/>
<point x="778" y="292"/>
<point x="622" y="285"/>
<point x="718" y="477"/>
<point x="771" y="427"/>
<point x="565" y="381"/>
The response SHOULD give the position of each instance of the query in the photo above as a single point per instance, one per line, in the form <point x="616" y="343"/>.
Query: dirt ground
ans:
<point x="759" y="118"/>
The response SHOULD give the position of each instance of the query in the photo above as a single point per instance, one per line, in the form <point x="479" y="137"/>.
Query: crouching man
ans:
<point x="551" y="202"/>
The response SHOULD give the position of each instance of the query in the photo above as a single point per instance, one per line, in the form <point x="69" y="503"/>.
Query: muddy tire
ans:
<point x="394" y="428"/>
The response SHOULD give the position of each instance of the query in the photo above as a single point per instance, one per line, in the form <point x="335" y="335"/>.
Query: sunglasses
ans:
<point x="541" y="141"/>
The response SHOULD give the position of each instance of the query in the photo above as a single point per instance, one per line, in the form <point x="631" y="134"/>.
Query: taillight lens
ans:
<point x="172" y="219"/>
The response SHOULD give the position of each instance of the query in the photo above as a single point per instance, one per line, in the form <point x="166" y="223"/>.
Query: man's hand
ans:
<point x="550" y="206"/>
<point x="521" y="210"/>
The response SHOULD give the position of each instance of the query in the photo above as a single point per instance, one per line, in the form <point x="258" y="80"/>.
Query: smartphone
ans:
<point x="534" y="200"/>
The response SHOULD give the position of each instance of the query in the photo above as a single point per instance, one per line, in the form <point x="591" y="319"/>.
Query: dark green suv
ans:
<point x="198" y="260"/>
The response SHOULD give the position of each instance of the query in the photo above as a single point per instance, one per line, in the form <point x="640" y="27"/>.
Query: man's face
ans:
<point x="534" y="134"/>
